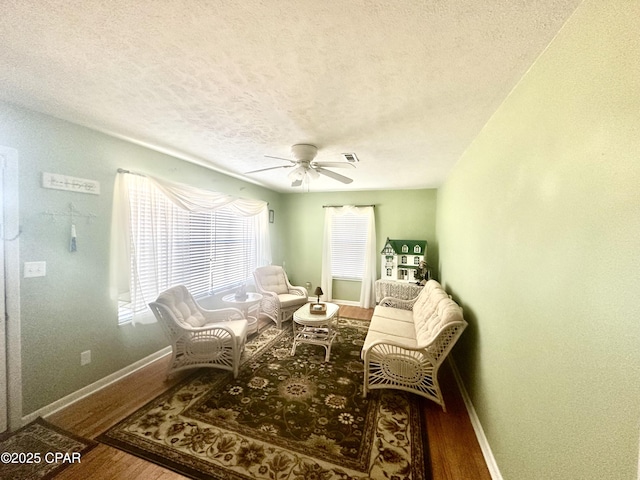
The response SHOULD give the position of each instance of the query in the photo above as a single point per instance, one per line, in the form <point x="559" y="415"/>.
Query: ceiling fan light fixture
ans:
<point x="296" y="174"/>
<point x="304" y="168"/>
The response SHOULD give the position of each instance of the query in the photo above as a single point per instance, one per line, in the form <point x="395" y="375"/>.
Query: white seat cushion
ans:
<point x="397" y="328"/>
<point x="288" y="300"/>
<point x="394" y="313"/>
<point x="374" y="335"/>
<point x="238" y="327"/>
<point x="400" y="331"/>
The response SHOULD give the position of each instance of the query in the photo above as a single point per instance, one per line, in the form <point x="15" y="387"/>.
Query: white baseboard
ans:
<point x="351" y="303"/>
<point x="94" y="387"/>
<point x="492" y="465"/>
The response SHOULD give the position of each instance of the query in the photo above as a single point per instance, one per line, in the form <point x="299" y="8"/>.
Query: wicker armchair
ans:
<point x="199" y="337"/>
<point x="279" y="298"/>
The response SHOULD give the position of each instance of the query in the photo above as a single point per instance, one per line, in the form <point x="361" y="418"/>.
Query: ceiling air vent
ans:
<point x="350" y="157"/>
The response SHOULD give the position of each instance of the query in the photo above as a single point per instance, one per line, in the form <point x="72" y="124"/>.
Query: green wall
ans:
<point x="69" y="310"/>
<point x="539" y="234"/>
<point x="408" y="214"/>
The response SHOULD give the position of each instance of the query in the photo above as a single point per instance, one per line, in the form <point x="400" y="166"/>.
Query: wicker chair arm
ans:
<point x="221" y="315"/>
<point x="300" y="291"/>
<point x="270" y="300"/>
<point x="270" y="304"/>
<point x="383" y="344"/>
<point x="209" y="327"/>
<point x="398" y="303"/>
<point x="268" y="294"/>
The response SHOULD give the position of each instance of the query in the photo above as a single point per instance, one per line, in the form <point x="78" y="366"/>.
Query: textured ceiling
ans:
<point x="406" y="85"/>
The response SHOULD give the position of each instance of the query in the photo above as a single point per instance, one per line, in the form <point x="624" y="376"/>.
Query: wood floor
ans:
<point x="454" y="450"/>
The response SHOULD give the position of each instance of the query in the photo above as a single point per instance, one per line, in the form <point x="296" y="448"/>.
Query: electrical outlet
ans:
<point x="85" y="358"/>
<point x="35" y="269"/>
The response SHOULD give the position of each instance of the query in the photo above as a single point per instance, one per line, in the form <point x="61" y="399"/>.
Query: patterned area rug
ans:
<point x="284" y="418"/>
<point x="40" y="450"/>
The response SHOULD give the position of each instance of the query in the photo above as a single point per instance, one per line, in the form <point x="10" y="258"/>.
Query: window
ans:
<point x="206" y="251"/>
<point x="349" y="250"/>
<point x="348" y="246"/>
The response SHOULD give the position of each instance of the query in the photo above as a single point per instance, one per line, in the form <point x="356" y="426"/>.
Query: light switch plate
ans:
<point x="35" y="269"/>
<point x="85" y="358"/>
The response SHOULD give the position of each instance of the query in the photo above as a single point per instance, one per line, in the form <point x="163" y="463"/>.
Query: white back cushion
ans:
<point x="427" y="306"/>
<point x="432" y="311"/>
<point x="183" y="306"/>
<point x="272" y="278"/>
<point x="446" y="312"/>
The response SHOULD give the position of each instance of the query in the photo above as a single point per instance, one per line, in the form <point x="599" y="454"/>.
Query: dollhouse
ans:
<point x="401" y="259"/>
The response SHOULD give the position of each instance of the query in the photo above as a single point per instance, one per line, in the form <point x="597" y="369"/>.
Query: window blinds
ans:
<point x="348" y="246"/>
<point x="206" y="251"/>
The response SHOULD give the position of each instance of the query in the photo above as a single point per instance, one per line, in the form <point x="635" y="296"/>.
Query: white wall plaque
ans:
<point x="72" y="184"/>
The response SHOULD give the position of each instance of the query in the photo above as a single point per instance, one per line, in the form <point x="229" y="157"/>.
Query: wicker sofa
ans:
<point x="408" y="340"/>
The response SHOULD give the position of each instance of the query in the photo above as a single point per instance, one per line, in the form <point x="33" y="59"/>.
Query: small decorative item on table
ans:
<point x="423" y="273"/>
<point x="318" y="308"/>
<point x="241" y="293"/>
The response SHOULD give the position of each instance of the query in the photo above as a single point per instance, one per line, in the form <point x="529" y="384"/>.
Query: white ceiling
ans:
<point x="406" y="85"/>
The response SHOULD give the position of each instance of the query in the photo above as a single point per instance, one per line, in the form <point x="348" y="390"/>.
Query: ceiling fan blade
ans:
<point x="334" y="164"/>
<point x="281" y="158"/>
<point x="334" y="175"/>
<point x="268" y="168"/>
<point x="296" y="183"/>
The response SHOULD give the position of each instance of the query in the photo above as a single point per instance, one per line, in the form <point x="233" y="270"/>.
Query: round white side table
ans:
<point x="252" y="302"/>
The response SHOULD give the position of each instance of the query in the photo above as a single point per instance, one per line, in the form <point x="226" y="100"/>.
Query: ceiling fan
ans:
<point x="305" y="167"/>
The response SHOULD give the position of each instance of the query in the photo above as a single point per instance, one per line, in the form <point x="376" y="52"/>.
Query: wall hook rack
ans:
<point x="72" y="213"/>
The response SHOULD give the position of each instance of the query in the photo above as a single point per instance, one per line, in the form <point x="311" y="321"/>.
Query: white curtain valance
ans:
<point x="196" y="199"/>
